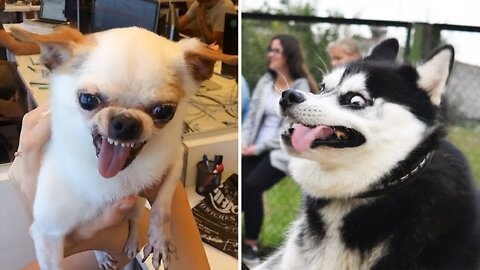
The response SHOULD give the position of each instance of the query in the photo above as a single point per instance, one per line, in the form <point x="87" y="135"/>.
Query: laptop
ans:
<point x="51" y="12"/>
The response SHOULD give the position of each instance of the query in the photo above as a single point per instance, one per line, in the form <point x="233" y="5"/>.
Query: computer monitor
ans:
<point x="230" y="43"/>
<point x="52" y="10"/>
<point x="108" y="14"/>
<point x="79" y="13"/>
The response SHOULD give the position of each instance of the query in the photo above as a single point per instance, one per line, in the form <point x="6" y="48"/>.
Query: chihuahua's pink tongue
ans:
<point x="111" y="158"/>
<point x="303" y="137"/>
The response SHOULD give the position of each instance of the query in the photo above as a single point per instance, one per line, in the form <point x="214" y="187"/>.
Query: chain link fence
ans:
<point x="282" y="202"/>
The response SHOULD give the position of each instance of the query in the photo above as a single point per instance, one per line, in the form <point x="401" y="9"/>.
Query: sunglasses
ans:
<point x="275" y="51"/>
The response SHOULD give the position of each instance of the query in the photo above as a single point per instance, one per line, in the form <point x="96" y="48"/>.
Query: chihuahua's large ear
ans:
<point x="387" y="50"/>
<point x="434" y="72"/>
<point x="57" y="47"/>
<point x="201" y="58"/>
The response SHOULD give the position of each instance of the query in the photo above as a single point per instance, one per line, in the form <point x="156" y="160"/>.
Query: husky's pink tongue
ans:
<point x="303" y="137"/>
<point x="111" y="158"/>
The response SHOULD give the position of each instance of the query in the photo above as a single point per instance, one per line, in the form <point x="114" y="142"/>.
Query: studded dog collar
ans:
<point x="388" y="184"/>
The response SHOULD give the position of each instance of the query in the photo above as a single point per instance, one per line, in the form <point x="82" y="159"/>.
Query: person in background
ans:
<point x="8" y="42"/>
<point x="342" y="51"/>
<point x="245" y="97"/>
<point x="264" y="163"/>
<point x="205" y="19"/>
<point x="10" y="108"/>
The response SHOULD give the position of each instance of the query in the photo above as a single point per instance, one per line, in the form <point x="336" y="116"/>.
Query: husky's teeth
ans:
<point x="341" y="135"/>
<point x="110" y="141"/>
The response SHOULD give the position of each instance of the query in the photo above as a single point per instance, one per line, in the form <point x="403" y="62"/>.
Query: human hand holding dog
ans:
<point x="24" y="171"/>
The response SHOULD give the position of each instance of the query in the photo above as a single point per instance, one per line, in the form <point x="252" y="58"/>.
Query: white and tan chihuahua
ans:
<point x="118" y="100"/>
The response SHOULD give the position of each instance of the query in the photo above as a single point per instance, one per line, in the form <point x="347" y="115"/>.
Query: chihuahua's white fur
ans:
<point x="135" y="67"/>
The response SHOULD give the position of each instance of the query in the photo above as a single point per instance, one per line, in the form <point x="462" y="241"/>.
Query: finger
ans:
<point x="125" y="204"/>
<point x="41" y="132"/>
<point x="117" y="212"/>
<point x="214" y="46"/>
<point x="110" y="217"/>
<point x="36" y="133"/>
<point x="31" y="118"/>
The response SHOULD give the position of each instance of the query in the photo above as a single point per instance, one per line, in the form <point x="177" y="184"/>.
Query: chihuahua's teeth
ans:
<point x="116" y="143"/>
<point x="131" y="145"/>
<point x="110" y="141"/>
<point x="123" y="144"/>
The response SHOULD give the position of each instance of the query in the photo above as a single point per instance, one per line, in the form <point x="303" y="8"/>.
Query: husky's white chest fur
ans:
<point x="330" y="252"/>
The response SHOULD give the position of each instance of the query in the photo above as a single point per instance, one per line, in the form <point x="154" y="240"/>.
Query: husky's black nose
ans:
<point x="290" y="97"/>
<point x="124" y="128"/>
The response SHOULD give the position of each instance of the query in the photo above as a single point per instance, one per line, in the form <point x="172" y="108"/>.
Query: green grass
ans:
<point x="282" y="202"/>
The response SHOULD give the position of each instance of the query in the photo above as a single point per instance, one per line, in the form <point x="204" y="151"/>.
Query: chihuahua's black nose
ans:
<point x="124" y="128"/>
<point x="290" y="97"/>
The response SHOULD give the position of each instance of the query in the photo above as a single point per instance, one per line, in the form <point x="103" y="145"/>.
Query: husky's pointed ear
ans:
<point x="57" y="47"/>
<point x="433" y="73"/>
<point x="387" y="50"/>
<point x="201" y="59"/>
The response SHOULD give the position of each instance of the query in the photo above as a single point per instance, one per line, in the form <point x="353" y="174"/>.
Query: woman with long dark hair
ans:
<point x="263" y="161"/>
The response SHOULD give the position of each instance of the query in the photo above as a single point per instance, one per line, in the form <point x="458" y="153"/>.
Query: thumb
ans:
<point x="125" y="204"/>
<point x="116" y="212"/>
<point x="113" y="215"/>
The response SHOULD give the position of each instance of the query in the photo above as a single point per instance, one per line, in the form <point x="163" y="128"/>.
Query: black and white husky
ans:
<point x="383" y="188"/>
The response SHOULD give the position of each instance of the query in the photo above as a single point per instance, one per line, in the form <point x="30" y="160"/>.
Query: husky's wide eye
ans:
<point x="88" y="101"/>
<point x="358" y="101"/>
<point x="163" y="112"/>
<point x="321" y="87"/>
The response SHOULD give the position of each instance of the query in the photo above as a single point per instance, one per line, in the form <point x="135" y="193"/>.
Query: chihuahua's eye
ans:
<point x="88" y="101"/>
<point x="163" y="112"/>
